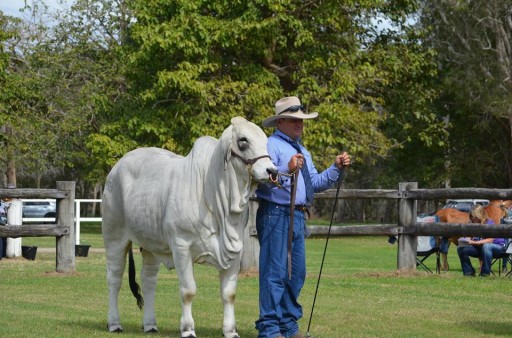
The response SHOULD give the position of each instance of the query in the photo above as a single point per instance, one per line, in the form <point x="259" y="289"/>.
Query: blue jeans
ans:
<point x="279" y="307"/>
<point x="444" y="244"/>
<point x="485" y="252"/>
<point x="3" y="247"/>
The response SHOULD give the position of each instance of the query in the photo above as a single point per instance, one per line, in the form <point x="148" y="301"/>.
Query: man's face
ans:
<point x="291" y="127"/>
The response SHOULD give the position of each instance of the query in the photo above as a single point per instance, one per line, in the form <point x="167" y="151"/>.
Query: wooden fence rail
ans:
<point x="63" y="229"/>
<point x="419" y="194"/>
<point x="408" y="229"/>
<point x="417" y="229"/>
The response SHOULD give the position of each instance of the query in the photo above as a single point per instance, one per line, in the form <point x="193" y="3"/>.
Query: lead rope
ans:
<point x="293" y="193"/>
<point x="325" y="250"/>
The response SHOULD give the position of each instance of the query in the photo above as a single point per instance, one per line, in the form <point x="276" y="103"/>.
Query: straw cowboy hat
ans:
<point x="288" y="108"/>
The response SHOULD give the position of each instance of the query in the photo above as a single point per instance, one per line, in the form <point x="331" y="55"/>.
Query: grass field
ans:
<point x="360" y="295"/>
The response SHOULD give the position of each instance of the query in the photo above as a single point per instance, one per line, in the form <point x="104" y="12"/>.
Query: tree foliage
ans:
<point x="195" y="64"/>
<point x="110" y="76"/>
<point x="473" y="43"/>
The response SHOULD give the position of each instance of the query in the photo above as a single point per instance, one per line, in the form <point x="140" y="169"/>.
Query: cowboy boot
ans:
<point x="444" y="262"/>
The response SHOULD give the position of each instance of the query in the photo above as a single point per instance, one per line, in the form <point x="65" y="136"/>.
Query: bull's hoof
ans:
<point x="188" y="334"/>
<point x="151" y="330"/>
<point x="114" y="328"/>
<point x="231" y="335"/>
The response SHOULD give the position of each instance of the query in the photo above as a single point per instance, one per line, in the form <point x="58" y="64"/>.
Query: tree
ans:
<point x="8" y="31"/>
<point x="473" y="43"/>
<point x="195" y="64"/>
<point x="110" y="76"/>
<point x="61" y="77"/>
<point x="91" y="35"/>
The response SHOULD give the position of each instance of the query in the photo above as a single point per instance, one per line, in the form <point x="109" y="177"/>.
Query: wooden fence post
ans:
<point x="251" y="250"/>
<point x="14" y="218"/>
<point x="65" y="251"/>
<point x="406" y="216"/>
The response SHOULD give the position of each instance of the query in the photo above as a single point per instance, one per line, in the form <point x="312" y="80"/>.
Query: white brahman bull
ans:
<point x="183" y="210"/>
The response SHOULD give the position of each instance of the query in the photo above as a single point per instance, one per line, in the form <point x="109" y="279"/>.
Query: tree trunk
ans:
<point x="11" y="167"/>
<point x="510" y="155"/>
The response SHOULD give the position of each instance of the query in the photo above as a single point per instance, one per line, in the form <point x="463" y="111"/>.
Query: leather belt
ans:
<point x="301" y="207"/>
<point x="304" y="209"/>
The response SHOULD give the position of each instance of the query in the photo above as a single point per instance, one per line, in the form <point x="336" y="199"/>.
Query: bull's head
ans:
<point x="249" y="145"/>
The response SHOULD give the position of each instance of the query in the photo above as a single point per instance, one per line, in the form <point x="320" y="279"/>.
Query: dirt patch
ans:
<point x="249" y="273"/>
<point x="397" y="273"/>
<point x="62" y="274"/>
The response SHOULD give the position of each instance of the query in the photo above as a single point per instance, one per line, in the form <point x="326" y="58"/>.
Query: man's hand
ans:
<point x="296" y="162"/>
<point x="342" y="160"/>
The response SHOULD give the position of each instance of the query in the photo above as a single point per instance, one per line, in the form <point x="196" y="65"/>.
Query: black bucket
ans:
<point x="29" y="252"/>
<point x="81" y="250"/>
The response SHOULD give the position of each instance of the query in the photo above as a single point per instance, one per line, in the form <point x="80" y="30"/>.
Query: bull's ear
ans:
<point x="237" y="119"/>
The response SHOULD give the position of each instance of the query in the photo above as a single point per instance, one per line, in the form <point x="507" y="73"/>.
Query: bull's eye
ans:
<point x="243" y="144"/>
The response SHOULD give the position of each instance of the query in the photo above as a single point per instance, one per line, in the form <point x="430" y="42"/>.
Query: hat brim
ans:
<point x="272" y="121"/>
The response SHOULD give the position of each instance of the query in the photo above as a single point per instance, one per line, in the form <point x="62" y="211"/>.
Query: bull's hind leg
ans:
<point x="149" y="272"/>
<point x="228" y="282"/>
<point x="116" y="263"/>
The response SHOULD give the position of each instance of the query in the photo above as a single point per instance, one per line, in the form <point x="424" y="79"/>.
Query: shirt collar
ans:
<point x="277" y="132"/>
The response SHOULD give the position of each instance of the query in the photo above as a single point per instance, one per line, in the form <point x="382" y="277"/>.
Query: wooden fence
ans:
<point x="63" y="229"/>
<point x="406" y="228"/>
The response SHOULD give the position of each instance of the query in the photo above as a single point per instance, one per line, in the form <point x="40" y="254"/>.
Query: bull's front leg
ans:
<point x="228" y="282"/>
<point x="184" y="268"/>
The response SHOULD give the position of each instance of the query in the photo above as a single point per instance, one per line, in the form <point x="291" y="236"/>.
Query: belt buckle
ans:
<point x="304" y="209"/>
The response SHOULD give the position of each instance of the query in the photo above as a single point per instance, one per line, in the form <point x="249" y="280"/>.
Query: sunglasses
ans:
<point x="293" y="109"/>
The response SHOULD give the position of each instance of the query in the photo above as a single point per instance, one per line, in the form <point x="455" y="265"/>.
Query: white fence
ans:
<point x="78" y="218"/>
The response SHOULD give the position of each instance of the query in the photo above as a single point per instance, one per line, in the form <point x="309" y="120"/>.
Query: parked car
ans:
<point x="39" y="208"/>
<point x="3" y="215"/>
<point x="465" y="204"/>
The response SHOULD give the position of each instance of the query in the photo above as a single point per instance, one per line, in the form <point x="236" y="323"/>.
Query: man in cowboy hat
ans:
<point x="279" y="292"/>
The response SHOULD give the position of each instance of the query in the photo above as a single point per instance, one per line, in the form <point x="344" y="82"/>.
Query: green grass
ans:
<point x="360" y="295"/>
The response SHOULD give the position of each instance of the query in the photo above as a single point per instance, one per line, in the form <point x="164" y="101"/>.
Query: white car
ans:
<point x="39" y="208"/>
<point x="465" y="204"/>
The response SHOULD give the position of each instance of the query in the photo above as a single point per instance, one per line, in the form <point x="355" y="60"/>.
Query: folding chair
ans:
<point x="425" y="250"/>
<point x="503" y="256"/>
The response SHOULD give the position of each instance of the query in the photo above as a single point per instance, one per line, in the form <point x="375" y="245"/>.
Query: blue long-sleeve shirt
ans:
<point x="281" y="152"/>
<point x="499" y="241"/>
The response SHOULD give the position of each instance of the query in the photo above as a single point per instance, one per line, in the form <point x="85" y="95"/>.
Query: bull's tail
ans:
<point x="131" y="278"/>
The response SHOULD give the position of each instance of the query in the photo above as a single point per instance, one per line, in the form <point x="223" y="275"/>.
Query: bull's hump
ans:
<point x="203" y="147"/>
<point x="151" y="152"/>
<point x="144" y="164"/>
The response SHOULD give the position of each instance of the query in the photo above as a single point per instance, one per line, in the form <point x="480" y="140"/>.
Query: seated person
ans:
<point x="483" y="248"/>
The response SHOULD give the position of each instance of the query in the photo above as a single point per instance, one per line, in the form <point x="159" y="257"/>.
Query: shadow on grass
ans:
<point x="496" y="328"/>
<point x="97" y="328"/>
